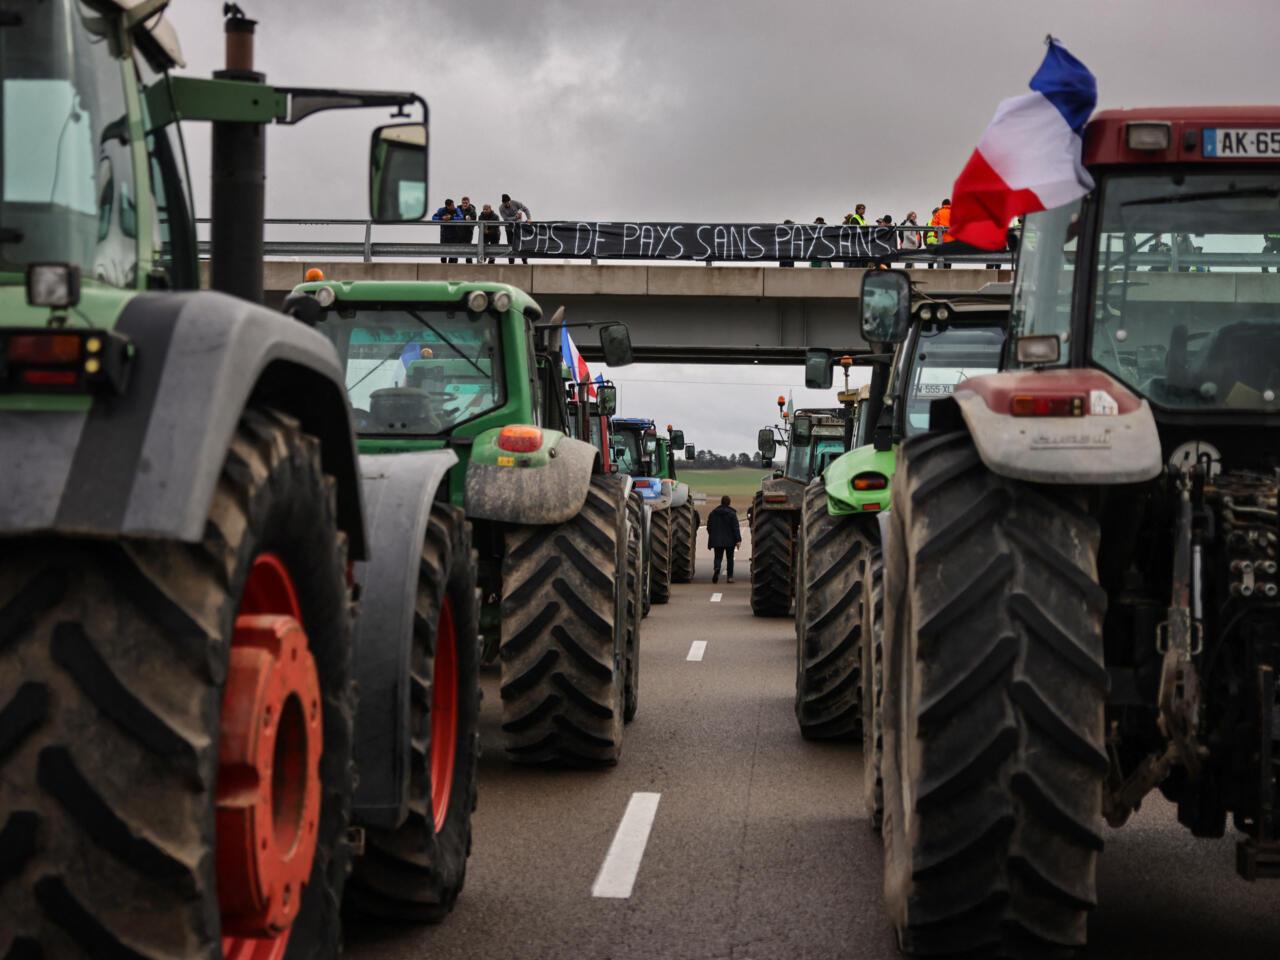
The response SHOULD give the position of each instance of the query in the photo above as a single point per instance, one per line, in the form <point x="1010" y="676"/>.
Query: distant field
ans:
<point x="739" y="483"/>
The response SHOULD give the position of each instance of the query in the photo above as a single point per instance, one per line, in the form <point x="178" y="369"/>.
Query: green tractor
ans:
<point x="839" y="568"/>
<point x="813" y="438"/>
<point x="672" y="532"/>
<point x="182" y="528"/>
<point x="471" y="370"/>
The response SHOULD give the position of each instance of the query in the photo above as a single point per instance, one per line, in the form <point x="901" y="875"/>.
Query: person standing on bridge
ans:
<point x="513" y="211"/>
<point x="447" y="214"/>
<point x="468" y="211"/>
<point x="490" y="233"/>
<point x="856" y="219"/>
<point x="723" y="537"/>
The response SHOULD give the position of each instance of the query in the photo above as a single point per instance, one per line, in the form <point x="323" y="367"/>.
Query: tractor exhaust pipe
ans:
<point x="239" y="177"/>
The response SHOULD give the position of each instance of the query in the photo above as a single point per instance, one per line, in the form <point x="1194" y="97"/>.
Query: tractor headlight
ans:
<point x="477" y="301"/>
<point x="502" y="301"/>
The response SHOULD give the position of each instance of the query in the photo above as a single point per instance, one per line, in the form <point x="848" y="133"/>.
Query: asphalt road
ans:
<point x="759" y="849"/>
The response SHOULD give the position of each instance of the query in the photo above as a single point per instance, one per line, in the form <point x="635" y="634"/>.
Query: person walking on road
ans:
<point x="723" y="537"/>
<point x="513" y="211"/>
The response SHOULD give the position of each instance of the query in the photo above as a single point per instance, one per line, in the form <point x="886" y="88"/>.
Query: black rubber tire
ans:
<point x="113" y="656"/>
<point x="872" y="670"/>
<point x="684" y="533"/>
<point x="772" y="553"/>
<point x="994" y="691"/>
<point x="415" y="872"/>
<point x="832" y="551"/>
<point x="660" y="536"/>
<point x="635" y="602"/>
<point x="563" y="633"/>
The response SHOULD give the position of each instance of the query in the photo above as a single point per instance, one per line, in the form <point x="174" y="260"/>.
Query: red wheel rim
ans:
<point x="269" y="746"/>
<point x="444" y="716"/>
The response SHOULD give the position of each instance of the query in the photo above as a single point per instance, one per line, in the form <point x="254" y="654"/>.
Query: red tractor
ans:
<point x="1081" y="590"/>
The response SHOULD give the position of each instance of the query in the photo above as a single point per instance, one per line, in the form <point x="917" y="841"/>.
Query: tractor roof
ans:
<point x="420" y="291"/>
<point x="1105" y="143"/>
<point x="639" y="423"/>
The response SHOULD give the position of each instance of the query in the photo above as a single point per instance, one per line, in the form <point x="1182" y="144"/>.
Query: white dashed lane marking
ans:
<point x="617" y="874"/>
<point x="715" y="597"/>
<point x="697" y="649"/>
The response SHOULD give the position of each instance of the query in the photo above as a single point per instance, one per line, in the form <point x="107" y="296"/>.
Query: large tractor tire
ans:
<point x="176" y="724"/>
<point x="635" y="602"/>
<point x="833" y="552"/>
<point x="563" y="635"/>
<point x="994" y="689"/>
<point x="872" y="669"/>
<point x="684" y="543"/>
<point x="772" y="552"/>
<point x="416" y="871"/>
<point x="660" y="536"/>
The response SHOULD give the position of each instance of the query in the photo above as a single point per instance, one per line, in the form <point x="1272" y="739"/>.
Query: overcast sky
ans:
<point x="711" y="110"/>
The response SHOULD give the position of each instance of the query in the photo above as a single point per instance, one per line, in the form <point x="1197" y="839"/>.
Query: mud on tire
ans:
<point x="635" y="602"/>
<point x="563" y="664"/>
<point x="772" y="551"/>
<point x="416" y="871"/>
<point x="833" y="552"/>
<point x="994" y="690"/>
<point x="113" y="657"/>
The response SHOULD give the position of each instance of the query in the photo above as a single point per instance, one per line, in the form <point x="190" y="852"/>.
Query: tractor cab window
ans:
<point x="1186" y="304"/>
<point x="797" y="466"/>
<point x="418" y="371"/>
<point x="826" y="449"/>
<point x="1046" y="271"/>
<point x="941" y="358"/>
<point x="69" y="193"/>
<point x="626" y="450"/>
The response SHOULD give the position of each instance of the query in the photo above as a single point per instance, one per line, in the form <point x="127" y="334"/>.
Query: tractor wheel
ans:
<point x="635" y="602"/>
<point x="176" y="723"/>
<point x="772" y="550"/>
<point x="833" y="552"/>
<point x="416" y="871"/>
<point x="872" y="669"/>
<point x="684" y="532"/>
<point x="563" y="659"/>
<point x="994" y="688"/>
<point x="660" y="536"/>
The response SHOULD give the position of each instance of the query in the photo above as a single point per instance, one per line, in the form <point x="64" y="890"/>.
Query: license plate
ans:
<point x="1228" y="143"/>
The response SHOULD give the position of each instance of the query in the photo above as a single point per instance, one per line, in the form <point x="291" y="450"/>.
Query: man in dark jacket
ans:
<point x="723" y="537"/>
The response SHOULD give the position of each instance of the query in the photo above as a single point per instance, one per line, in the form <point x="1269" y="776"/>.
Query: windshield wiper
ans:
<point x="1255" y="192"/>
<point x="396" y="351"/>
<point x="446" y="341"/>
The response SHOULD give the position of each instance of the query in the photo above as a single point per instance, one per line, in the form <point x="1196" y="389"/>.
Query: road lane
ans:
<point x="759" y="849"/>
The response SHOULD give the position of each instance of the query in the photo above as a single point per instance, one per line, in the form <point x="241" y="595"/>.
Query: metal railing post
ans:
<point x="480" y="244"/>
<point x="368" y="241"/>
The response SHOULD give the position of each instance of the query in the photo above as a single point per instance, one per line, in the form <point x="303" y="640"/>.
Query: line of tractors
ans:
<point x="1037" y="574"/>
<point x="252" y="561"/>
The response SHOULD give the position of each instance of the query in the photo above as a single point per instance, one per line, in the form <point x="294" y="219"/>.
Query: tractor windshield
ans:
<point x="418" y="372"/>
<point x="68" y="170"/>
<point x="1186" y="306"/>
<point x="942" y="357"/>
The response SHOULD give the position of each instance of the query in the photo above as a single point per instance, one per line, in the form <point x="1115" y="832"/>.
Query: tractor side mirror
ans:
<point x="677" y="438"/>
<point x="802" y="431"/>
<point x="607" y="399"/>
<point x="690" y="452"/>
<point x="886" y="306"/>
<point x="398" y="173"/>
<point x="615" y="341"/>
<point x="817" y="369"/>
<point x="766" y="444"/>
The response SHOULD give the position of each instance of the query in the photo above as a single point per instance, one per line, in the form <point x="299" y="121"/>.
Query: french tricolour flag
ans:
<point x="573" y="359"/>
<point x="1029" y="158"/>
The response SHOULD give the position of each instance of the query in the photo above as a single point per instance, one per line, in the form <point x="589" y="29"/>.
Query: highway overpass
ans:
<point x="712" y="314"/>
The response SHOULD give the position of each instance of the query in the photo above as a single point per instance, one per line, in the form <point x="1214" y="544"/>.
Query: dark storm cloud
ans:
<point x="709" y="110"/>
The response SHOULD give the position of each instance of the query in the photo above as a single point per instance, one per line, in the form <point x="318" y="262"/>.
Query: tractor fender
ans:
<point x="679" y="494"/>
<point x="656" y="494"/>
<point x="543" y="488"/>
<point x="145" y="463"/>
<point x="842" y="498"/>
<point x="399" y="489"/>
<point x="779" y="493"/>
<point x="1113" y="441"/>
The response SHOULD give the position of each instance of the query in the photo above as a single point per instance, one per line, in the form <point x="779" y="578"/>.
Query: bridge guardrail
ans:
<point x="367" y="249"/>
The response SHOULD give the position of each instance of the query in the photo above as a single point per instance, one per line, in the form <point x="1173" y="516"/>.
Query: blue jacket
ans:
<point x="445" y="211"/>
